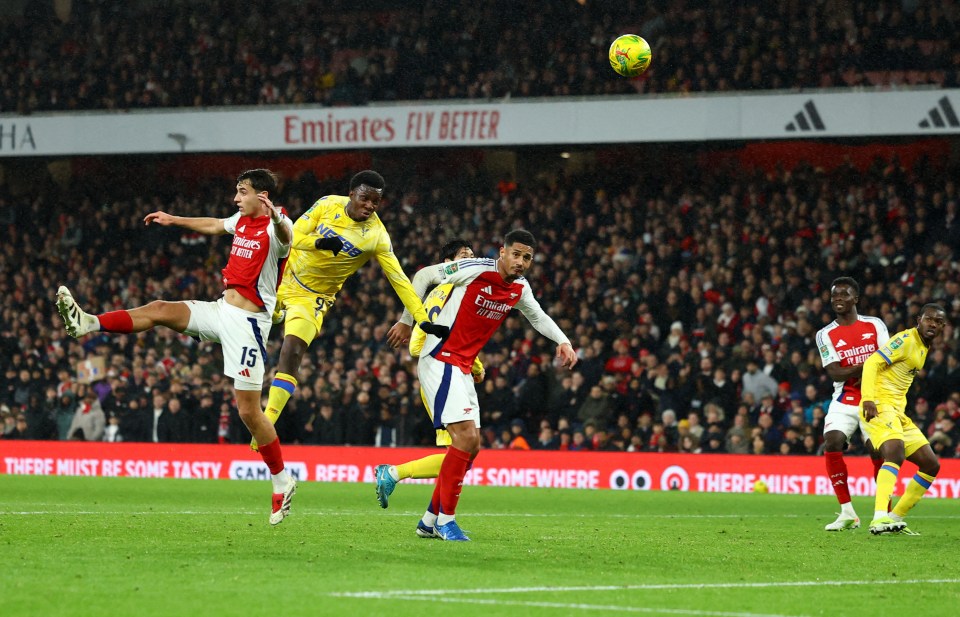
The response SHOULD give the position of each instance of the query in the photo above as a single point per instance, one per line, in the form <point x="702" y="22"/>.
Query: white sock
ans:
<point x="896" y="517"/>
<point x="443" y="519"/>
<point x="429" y="519"/>
<point x="393" y="473"/>
<point x="880" y="514"/>
<point x="89" y="323"/>
<point x="846" y="509"/>
<point x="280" y="480"/>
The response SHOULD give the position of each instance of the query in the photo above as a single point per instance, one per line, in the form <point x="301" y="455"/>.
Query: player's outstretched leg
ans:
<point x="77" y="322"/>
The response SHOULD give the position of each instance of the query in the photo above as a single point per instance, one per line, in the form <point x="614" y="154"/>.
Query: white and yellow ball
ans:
<point x="629" y="55"/>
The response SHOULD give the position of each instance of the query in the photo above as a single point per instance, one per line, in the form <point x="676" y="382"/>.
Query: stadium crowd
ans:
<point x="113" y="56"/>
<point x="693" y="309"/>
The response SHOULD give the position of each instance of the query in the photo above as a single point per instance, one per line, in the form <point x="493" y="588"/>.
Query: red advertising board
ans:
<point x="723" y="473"/>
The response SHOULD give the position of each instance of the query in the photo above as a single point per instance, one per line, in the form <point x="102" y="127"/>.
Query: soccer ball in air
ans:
<point x="629" y="55"/>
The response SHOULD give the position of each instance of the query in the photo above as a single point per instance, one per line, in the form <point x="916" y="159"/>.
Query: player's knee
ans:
<point x="932" y="467"/>
<point x="291" y="354"/>
<point x="834" y="442"/>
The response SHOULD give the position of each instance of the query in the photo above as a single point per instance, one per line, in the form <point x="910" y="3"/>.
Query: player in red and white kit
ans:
<point x="844" y="345"/>
<point x="240" y="320"/>
<point x="484" y="292"/>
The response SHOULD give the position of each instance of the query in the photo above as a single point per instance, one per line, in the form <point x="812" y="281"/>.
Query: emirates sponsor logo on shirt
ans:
<point x="856" y="355"/>
<point x="491" y="309"/>
<point x="243" y="247"/>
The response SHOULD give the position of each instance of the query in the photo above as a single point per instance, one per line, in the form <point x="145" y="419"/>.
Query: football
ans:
<point x="629" y="55"/>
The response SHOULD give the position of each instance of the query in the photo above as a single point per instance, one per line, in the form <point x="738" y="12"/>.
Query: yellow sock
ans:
<point x="426" y="467"/>
<point x="886" y="482"/>
<point x="914" y="491"/>
<point x="281" y="390"/>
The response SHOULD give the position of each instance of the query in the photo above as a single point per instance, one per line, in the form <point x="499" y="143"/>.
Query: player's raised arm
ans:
<point x="281" y="223"/>
<point x="200" y="224"/>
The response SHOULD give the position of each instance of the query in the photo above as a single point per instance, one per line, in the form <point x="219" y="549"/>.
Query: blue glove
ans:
<point x="437" y="330"/>
<point x="332" y="244"/>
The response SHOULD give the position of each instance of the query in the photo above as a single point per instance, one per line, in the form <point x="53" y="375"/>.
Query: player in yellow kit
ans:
<point x="429" y="466"/>
<point x="887" y="375"/>
<point x="331" y="241"/>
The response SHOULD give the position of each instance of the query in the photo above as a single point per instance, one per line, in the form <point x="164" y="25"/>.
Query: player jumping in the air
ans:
<point x="240" y="320"/>
<point x="331" y="241"/>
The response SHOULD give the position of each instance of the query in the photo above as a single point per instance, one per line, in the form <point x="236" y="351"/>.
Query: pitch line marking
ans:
<point x="649" y="587"/>
<point x="610" y="608"/>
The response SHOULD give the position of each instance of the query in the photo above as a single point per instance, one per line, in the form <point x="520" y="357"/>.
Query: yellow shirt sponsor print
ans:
<point x="323" y="273"/>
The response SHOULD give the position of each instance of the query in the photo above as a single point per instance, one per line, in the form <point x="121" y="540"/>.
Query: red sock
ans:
<point x="837" y="470"/>
<point x="877" y="464"/>
<point x="452" y="471"/>
<point x="272" y="457"/>
<point x="116" y="321"/>
<point x="435" y="498"/>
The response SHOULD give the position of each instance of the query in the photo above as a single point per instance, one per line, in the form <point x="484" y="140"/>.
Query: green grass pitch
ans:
<point x="75" y="546"/>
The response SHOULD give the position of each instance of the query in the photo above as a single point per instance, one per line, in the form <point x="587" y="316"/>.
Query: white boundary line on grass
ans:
<point x="436" y="595"/>
<point x="610" y="608"/>
<point x="648" y="587"/>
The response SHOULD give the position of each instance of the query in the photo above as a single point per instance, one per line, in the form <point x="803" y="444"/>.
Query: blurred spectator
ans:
<point x="89" y="421"/>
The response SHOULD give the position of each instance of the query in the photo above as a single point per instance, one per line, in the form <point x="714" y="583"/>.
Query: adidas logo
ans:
<point x="487" y="289"/>
<point x="948" y="119"/>
<point x="245" y="372"/>
<point x="242" y="228"/>
<point x="804" y="120"/>
<point x="841" y="343"/>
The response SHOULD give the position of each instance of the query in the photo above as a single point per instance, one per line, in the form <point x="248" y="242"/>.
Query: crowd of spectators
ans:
<point x="693" y="307"/>
<point x="157" y="54"/>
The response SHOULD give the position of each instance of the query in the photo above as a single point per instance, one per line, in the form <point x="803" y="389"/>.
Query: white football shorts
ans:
<point x="843" y="418"/>
<point x="449" y="392"/>
<point x="242" y="334"/>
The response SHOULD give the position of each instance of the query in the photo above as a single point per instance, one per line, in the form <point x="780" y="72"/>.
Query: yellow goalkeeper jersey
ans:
<point x="323" y="273"/>
<point x="889" y="372"/>
<point x="432" y="304"/>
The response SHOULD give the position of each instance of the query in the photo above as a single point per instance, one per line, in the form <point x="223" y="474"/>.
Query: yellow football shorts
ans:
<point x="443" y="437"/>
<point x="305" y="311"/>
<point x="891" y="423"/>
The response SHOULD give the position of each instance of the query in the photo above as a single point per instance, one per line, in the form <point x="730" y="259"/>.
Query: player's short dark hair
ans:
<point x="520" y="235"/>
<point x="260" y="179"/>
<point x="368" y="177"/>
<point x="450" y="249"/>
<point x="846" y="280"/>
<point x="931" y="306"/>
